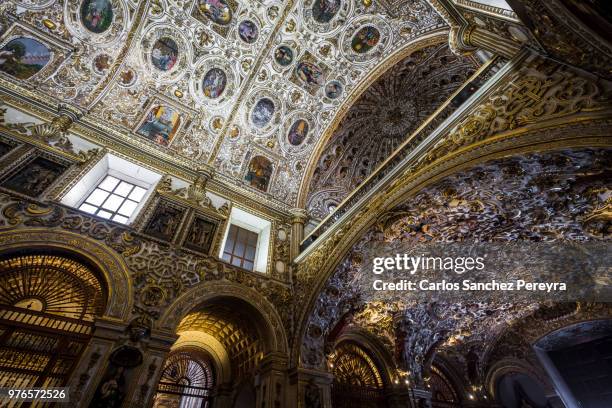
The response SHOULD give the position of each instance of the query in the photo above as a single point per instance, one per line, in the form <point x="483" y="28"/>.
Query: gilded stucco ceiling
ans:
<point x="383" y="117"/>
<point x="557" y="196"/>
<point x="214" y="81"/>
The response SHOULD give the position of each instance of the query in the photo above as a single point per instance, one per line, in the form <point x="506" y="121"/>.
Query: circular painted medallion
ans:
<point x="97" y="15"/>
<point x="333" y="89"/>
<point x="283" y="55"/>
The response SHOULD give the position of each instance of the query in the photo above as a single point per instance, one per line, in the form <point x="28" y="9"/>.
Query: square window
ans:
<point x="113" y="202"/>
<point x="120" y="218"/>
<point x="137" y="193"/>
<point x="105" y="214"/>
<point x="109" y="199"/>
<point x="128" y="208"/>
<point x="88" y="208"/>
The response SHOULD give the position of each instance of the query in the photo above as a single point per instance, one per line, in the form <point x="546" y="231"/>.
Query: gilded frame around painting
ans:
<point x="58" y="50"/>
<point x="162" y="127"/>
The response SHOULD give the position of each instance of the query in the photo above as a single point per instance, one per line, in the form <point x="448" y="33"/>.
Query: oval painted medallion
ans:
<point x="262" y="112"/>
<point x="283" y="55"/>
<point x="248" y="32"/>
<point x="214" y="83"/>
<point x="97" y="15"/>
<point x="365" y="39"/>
<point x="298" y="132"/>
<point x="164" y="53"/>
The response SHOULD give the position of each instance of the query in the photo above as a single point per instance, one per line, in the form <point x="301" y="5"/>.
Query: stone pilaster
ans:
<point x="272" y="381"/>
<point x="309" y="389"/>
<point x="298" y="219"/>
<point x="91" y="367"/>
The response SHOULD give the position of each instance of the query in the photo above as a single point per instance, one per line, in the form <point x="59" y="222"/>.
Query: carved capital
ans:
<point x="458" y="38"/>
<point x="298" y="216"/>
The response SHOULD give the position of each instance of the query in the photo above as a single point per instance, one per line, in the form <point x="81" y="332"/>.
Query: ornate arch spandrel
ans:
<point x="206" y="291"/>
<point x="114" y="270"/>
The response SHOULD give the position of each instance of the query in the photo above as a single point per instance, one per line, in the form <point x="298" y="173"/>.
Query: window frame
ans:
<point x="251" y="239"/>
<point x="122" y="178"/>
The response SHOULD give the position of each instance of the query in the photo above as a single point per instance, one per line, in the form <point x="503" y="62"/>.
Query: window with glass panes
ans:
<point x="114" y="199"/>
<point x="240" y="247"/>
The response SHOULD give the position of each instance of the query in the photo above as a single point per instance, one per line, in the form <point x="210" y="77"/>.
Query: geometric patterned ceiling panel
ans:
<point x="381" y="119"/>
<point x="234" y="330"/>
<point x="215" y="81"/>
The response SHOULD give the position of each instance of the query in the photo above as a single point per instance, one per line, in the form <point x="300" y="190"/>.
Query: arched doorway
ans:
<point x="48" y="303"/>
<point x="187" y="380"/>
<point x="357" y="378"/>
<point x="236" y="335"/>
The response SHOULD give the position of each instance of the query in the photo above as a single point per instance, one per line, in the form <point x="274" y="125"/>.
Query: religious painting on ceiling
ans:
<point x="218" y="11"/>
<point x="365" y="39"/>
<point x="324" y="10"/>
<point x="262" y="112"/>
<point x="309" y="73"/>
<point x="97" y="15"/>
<point x="164" y="54"/>
<point x="248" y="32"/>
<point x="283" y="55"/>
<point x="214" y="83"/>
<point x="160" y="125"/>
<point x="23" y="57"/>
<point x="259" y="173"/>
<point x="33" y="178"/>
<point x="297" y="132"/>
<point x="333" y="89"/>
<point x="200" y="235"/>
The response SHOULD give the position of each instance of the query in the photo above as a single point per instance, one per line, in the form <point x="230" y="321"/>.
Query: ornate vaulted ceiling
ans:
<point x="555" y="196"/>
<point x="383" y="117"/>
<point x="222" y="81"/>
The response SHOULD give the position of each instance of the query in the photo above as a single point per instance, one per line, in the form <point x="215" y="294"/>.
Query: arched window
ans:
<point x="187" y="380"/>
<point x="48" y="303"/>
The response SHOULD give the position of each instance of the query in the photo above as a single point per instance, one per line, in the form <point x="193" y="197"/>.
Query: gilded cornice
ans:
<point x="122" y="145"/>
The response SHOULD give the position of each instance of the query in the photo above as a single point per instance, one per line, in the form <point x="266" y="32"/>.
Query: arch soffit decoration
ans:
<point x="115" y="272"/>
<point x="276" y="339"/>
<point x="514" y="366"/>
<point x="583" y="130"/>
<point x="435" y="37"/>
